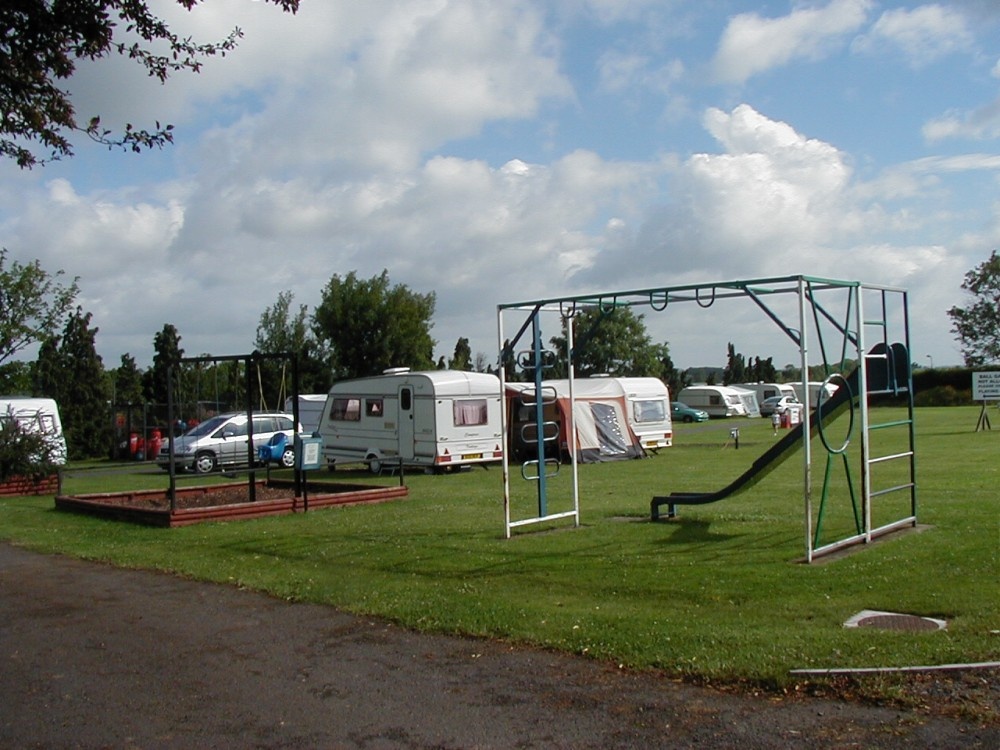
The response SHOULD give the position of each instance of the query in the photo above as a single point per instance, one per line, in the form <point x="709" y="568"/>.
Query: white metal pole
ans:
<point x="866" y="482"/>
<point x="570" y="370"/>
<point x="806" y="431"/>
<point x="504" y="426"/>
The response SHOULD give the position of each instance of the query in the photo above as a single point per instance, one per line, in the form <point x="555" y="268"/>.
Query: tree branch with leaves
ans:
<point x="41" y="42"/>
<point x="977" y="327"/>
<point x="33" y="303"/>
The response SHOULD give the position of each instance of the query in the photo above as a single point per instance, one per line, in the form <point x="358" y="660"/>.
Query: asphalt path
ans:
<point x="99" y="657"/>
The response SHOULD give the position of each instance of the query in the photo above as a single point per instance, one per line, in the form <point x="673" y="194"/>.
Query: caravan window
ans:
<point x="470" y="412"/>
<point x="715" y="399"/>
<point x="653" y="410"/>
<point x="373" y="407"/>
<point x="346" y="410"/>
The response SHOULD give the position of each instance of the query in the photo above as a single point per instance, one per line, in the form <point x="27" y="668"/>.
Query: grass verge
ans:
<point x="717" y="594"/>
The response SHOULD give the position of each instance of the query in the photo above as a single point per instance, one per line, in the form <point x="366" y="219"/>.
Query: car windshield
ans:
<point x="207" y="427"/>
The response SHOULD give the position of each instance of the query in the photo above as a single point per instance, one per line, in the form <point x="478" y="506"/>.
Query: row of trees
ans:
<point x="360" y="327"/>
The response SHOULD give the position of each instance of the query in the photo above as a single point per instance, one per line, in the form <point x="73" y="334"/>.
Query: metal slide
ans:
<point x="771" y="458"/>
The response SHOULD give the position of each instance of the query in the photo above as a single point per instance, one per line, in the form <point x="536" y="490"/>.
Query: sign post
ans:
<point x="985" y="387"/>
<point x="308" y="457"/>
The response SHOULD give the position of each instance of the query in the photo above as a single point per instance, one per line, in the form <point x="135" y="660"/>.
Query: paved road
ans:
<point x="97" y="657"/>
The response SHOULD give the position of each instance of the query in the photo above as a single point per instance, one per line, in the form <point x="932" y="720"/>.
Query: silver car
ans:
<point x="222" y="441"/>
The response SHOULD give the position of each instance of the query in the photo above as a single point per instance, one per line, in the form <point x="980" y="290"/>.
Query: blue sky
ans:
<point x="497" y="152"/>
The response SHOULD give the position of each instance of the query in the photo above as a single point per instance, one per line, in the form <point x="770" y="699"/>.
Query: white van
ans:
<point x="222" y="441"/>
<point x="717" y="400"/>
<point x="39" y="415"/>
<point x="437" y="419"/>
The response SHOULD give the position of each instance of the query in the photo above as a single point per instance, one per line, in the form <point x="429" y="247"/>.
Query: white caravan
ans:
<point x="310" y="410"/>
<point x="814" y="388"/>
<point x="649" y="411"/>
<point x="768" y="390"/>
<point x="437" y="419"/>
<point x="717" y="400"/>
<point x="40" y="415"/>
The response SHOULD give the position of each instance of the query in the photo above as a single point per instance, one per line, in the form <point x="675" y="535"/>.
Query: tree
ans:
<point x="42" y="42"/>
<point x="33" y="302"/>
<point x="370" y="326"/>
<point x="15" y="378"/>
<point x="674" y="379"/>
<point x="463" y="355"/>
<point x="127" y="382"/>
<point x="736" y="369"/>
<point x="70" y="371"/>
<point x="167" y="353"/>
<point x="612" y="343"/>
<point x="281" y="330"/>
<point x="977" y="327"/>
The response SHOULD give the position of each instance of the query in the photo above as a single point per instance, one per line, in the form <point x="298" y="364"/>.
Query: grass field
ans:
<point x="719" y="592"/>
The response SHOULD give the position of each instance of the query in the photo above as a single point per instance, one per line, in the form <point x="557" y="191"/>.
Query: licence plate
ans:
<point x="471" y="456"/>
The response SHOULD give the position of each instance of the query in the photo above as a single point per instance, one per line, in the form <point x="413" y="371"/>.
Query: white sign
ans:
<point x="311" y="453"/>
<point x="986" y="386"/>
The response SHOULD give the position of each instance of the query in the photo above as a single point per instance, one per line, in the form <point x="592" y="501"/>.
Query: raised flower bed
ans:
<point x="223" y="502"/>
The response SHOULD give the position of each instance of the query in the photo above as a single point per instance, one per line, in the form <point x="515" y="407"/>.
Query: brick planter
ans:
<point x="25" y="486"/>
<point x="195" y="505"/>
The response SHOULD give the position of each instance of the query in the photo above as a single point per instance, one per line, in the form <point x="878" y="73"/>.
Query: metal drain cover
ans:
<point x="894" y="621"/>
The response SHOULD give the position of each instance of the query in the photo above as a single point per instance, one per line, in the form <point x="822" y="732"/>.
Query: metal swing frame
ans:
<point x="873" y="327"/>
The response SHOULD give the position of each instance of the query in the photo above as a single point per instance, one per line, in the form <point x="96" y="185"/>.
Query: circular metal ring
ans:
<point x="821" y="399"/>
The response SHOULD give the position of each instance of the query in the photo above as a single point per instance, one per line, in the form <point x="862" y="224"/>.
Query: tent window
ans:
<point x="650" y="410"/>
<point x="470" y="412"/>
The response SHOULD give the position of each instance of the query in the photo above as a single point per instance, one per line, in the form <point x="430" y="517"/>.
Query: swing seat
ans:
<point x="274" y="450"/>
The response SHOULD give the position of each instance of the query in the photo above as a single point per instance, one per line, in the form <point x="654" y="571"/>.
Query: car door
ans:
<point x="233" y="445"/>
<point x="263" y="429"/>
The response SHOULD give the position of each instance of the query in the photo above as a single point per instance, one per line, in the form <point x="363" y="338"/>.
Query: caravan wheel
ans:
<point x="375" y="465"/>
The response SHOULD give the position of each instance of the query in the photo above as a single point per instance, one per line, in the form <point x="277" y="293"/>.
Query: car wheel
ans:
<point x="288" y="458"/>
<point x="204" y="463"/>
<point x="688" y="418"/>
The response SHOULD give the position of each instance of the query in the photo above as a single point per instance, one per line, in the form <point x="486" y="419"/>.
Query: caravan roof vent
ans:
<point x="396" y="371"/>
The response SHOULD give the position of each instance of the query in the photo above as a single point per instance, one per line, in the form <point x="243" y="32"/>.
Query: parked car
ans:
<point x="681" y="411"/>
<point x="777" y="405"/>
<point x="222" y="441"/>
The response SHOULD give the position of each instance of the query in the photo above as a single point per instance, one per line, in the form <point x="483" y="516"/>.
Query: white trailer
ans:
<point x="768" y="390"/>
<point x="438" y="419"/>
<point x="310" y="410"/>
<point x="717" y="400"/>
<point x="815" y="387"/>
<point x="649" y="411"/>
<point x="37" y="415"/>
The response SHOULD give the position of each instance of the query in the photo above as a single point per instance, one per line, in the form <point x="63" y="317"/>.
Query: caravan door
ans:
<point x="405" y="422"/>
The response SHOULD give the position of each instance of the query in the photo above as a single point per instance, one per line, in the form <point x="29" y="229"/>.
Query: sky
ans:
<point x="495" y="152"/>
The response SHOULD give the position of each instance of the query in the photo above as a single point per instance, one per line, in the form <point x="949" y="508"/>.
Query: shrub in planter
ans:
<point x="26" y="457"/>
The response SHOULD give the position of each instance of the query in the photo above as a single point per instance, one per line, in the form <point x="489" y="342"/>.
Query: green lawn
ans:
<point x="718" y="593"/>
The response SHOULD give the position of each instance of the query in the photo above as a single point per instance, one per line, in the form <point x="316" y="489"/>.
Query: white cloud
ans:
<point x="751" y="45"/>
<point x="372" y="85"/>
<point x="923" y="35"/>
<point x="979" y="124"/>
<point x="348" y="138"/>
